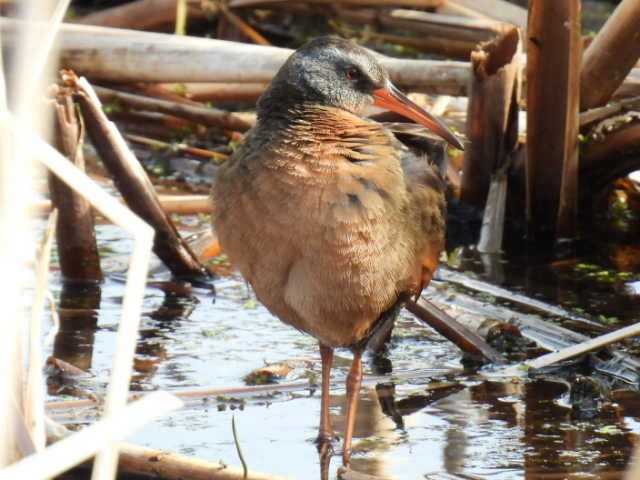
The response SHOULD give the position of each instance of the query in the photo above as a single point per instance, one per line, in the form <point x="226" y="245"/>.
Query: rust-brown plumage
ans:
<point x="326" y="214"/>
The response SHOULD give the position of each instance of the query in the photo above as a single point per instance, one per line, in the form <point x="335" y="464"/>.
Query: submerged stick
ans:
<point x="135" y="186"/>
<point x="75" y="234"/>
<point x="466" y="339"/>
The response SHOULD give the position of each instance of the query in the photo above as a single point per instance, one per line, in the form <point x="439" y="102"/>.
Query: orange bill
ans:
<point x="391" y="98"/>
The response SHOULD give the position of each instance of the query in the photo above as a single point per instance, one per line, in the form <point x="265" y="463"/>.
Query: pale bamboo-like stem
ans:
<point x="81" y="446"/>
<point x="11" y="209"/>
<point x="584" y="347"/>
<point x="136" y="278"/>
<point x="34" y="395"/>
<point x="106" y="462"/>
<point x="31" y="55"/>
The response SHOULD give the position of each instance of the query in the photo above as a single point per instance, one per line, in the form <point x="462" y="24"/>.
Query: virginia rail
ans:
<point x="332" y="221"/>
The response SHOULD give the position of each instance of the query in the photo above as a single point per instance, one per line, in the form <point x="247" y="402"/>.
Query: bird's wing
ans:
<point x="427" y="194"/>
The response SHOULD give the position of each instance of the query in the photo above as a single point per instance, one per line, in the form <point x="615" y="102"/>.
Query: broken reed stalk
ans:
<point x="133" y="56"/>
<point x="584" y="347"/>
<point x="136" y="275"/>
<point x="75" y="236"/>
<point x="134" y="184"/>
<point x="466" y="339"/>
<point x="553" y="75"/>
<point x="34" y="394"/>
<point x="29" y="65"/>
<point x="492" y="113"/>
<point x="204" y="115"/>
<point x="611" y="55"/>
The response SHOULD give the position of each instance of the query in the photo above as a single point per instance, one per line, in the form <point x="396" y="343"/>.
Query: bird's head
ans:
<point x="339" y="73"/>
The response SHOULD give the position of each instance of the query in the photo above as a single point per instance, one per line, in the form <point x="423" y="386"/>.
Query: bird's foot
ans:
<point x="326" y="438"/>
<point x="342" y="471"/>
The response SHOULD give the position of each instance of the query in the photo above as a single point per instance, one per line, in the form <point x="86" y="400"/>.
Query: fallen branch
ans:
<point x="152" y="463"/>
<point x="174" y="466"/>
<point x="134" y="184"/>
<point x="611" y="55"/>
<point x="133" y="56"/>
<point x="612" y="157"/>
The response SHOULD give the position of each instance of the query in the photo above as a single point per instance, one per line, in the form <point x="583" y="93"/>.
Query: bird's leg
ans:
<point x="325" y="432"/>
<point x="354" y="380"/>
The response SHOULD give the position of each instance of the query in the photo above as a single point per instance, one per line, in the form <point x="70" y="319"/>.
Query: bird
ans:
<point x="330" y="219"/>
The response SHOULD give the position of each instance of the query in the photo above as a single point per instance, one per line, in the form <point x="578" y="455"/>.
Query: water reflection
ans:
<point x="78" y="312"/>
<point x="502" y="430"/>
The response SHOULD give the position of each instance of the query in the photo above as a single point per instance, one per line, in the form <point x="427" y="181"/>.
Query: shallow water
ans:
<point x="491" y="426"/>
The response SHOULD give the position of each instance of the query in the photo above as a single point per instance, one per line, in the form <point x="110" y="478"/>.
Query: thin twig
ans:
<point x="241" y="25"/>
<point x="245" y="469"/>
<point x="200" y="152"/>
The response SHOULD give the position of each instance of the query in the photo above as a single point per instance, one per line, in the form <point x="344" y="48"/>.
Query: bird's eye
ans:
<point x="352" y="73"/>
